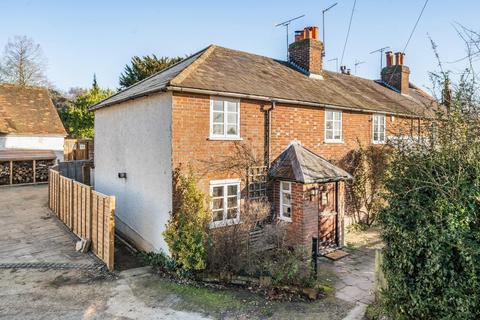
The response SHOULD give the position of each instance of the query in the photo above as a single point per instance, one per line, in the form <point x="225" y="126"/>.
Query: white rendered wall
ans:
<point x="40" y="142"/>
<point x="136" y="137"/>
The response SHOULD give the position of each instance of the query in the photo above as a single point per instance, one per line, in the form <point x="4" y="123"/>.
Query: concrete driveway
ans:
<point x="31" y="235"/>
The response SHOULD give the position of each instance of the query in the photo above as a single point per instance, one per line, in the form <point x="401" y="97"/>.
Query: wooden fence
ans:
<point x="86" y="212"/>
<point x="77" y="149"/>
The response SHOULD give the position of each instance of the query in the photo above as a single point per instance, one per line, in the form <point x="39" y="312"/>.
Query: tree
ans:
<point x="431" y="225"/>
<point x="143" y="67"/>
<point x="23" y="62"/>
<point x="77" y="119"/>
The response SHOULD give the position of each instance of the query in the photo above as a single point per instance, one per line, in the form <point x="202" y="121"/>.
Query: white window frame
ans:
<point x="280" y="214"/>
<point x="225" y="183"/>
<point x="376" y="130"/>
<point x="327" y="140"/>
<point x="225" y="135"/>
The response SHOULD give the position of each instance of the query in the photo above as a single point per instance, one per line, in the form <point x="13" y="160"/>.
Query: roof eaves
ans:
<point x="105" y="103"/>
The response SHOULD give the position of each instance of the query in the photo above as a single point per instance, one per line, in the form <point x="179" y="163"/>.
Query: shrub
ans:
<point x="364" y="194"/>
<point x="432" y="225"/>
<point x="186" y="230"/>
<point x="159" y="260"/>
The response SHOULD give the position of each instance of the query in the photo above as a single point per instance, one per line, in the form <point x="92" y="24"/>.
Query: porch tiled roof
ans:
<point x="299" y="164"/>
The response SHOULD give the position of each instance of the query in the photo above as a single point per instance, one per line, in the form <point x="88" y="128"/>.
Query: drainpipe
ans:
<point x="268" y="133"/>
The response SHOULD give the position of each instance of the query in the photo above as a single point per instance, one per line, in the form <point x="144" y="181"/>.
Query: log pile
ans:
<point x="41" y="170"/>
<point x="4" y="172"/>
<point x="22" y="172"/>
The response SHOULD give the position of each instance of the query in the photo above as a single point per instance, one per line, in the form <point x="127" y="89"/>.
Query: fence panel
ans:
<point x="88" y="213"/>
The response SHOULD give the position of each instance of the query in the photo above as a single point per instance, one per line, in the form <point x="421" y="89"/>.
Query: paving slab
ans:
<point x="30" y="231"/>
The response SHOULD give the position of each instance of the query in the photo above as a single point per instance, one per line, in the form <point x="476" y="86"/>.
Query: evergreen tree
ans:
<point x="143" y="67"/>
<point x="77" y="119"/>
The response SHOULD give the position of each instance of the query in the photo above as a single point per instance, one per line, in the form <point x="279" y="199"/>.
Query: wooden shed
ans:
<point x="25" y="166"/>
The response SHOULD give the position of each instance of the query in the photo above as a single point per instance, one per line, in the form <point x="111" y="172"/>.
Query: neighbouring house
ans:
<point x="31" y="134"/>
<point x="299" y="119"/>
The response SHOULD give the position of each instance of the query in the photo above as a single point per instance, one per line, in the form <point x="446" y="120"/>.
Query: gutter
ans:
<point x="280" y="100"/>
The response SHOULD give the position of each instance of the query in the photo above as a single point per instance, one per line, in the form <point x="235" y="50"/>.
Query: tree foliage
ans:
<point x="77" y="119"/>
<point x="23" y="62"/>
<point x="432" y="223"/>
<point x="143" y="67"/>
<point x="186" y="229"/>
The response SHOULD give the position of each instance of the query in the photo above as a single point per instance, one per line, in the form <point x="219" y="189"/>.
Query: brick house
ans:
<point x="299" y="119"/>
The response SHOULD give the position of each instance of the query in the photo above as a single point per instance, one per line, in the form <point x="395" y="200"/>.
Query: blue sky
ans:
<point x="80" y="38"/>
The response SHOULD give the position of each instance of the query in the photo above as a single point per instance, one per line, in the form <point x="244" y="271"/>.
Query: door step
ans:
<point x="336" y="254"/>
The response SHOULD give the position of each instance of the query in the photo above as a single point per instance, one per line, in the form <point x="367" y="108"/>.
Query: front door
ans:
<point x="328" y="216"/>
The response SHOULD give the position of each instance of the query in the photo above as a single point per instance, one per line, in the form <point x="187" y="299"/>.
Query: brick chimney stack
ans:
<point x="396" y="74"/>
<point x="307" y="52"/>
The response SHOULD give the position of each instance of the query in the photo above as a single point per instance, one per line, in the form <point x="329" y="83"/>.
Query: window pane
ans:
<point x="337" y="115"/>
<point x="232" y="118"/>
<point x="287" y="211"/>
<point x="329" y="135"/>
<point x="232" y="213"/>
<point x="286" y="198"/>
<point x="337" y="135"/>
<point x="329" y="115"/>
<point x="286" y="186"/>
<point x="375" y="136"/>
<point x="218" y="215"/>
<point x="217" y="191"/>
<point x="232" y="202"/>
<point x="218" y="117"/>
<point x="232" y="130"/>
<point x="231" y="106"/>
<point x="217" y="203"/>
<point x="218" y="129"/>
<point x="232" y="190"/>
<point x="329" y="125"/>
<point x="217" y="105"/>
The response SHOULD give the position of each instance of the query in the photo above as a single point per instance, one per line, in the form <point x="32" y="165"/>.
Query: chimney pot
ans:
<point x="389" y="56"/>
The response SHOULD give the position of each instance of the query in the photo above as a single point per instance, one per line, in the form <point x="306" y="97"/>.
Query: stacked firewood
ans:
<point x="4" y="172"/>
<point x="41" y="170"/>
<point x="22" y="172"/>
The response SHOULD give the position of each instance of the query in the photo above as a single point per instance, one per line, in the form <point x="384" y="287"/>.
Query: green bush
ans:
<point x="432" y="222"/>
<point x="186" y="230"/>
<point x="159" y="260"/>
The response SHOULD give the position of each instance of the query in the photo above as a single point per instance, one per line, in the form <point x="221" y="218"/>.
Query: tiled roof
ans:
<point x="299" y="164"/>
<point x="28" y="110"/>
<point x="225" y="70"/>
<point x="26" y="154"/>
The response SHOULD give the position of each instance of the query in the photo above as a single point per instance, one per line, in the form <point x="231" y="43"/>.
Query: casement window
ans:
<point x="378" y="128"/>
<point x="225" y="202"/>
<point x="224" y="118"/>
<point x="257" y="183"/>
<point x="333" y="126"/>
<point x="285" y="201"/>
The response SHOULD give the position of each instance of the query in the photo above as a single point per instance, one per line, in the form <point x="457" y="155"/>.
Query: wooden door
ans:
<point x="328" y="216"/>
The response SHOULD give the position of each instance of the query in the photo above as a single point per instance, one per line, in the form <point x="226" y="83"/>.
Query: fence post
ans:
<point x="111" y="233"/>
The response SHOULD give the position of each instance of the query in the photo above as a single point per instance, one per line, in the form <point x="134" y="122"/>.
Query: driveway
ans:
<point x="31" y="236"/>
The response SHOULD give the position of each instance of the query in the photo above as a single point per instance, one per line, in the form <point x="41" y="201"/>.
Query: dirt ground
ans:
<point x="134" y="292"/>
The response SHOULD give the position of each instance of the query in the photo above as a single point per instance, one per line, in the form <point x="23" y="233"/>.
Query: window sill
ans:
<point x="224" y="223"/>
<point x="333" y="141"/>
<point x="378" y="142"/>
<point x="285" y="219"/>
<point x="224" y="139"/>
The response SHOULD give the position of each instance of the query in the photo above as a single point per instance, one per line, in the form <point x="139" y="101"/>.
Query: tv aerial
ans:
<point x="286" y="24"/>
<point x="381" y="50"/>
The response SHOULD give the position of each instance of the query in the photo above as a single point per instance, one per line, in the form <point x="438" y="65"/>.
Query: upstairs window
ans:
<point x="333" y="126"/>
<point x="286" y="200"/>
<point x="225" y="202"/>
<point x="378" y="128"/>
<point x="224" y="118"/>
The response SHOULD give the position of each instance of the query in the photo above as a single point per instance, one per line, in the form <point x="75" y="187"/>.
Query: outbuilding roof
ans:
<point x="223" y="70"/>
<point x="299" y="164"/>
<point x="28" y="110"/>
